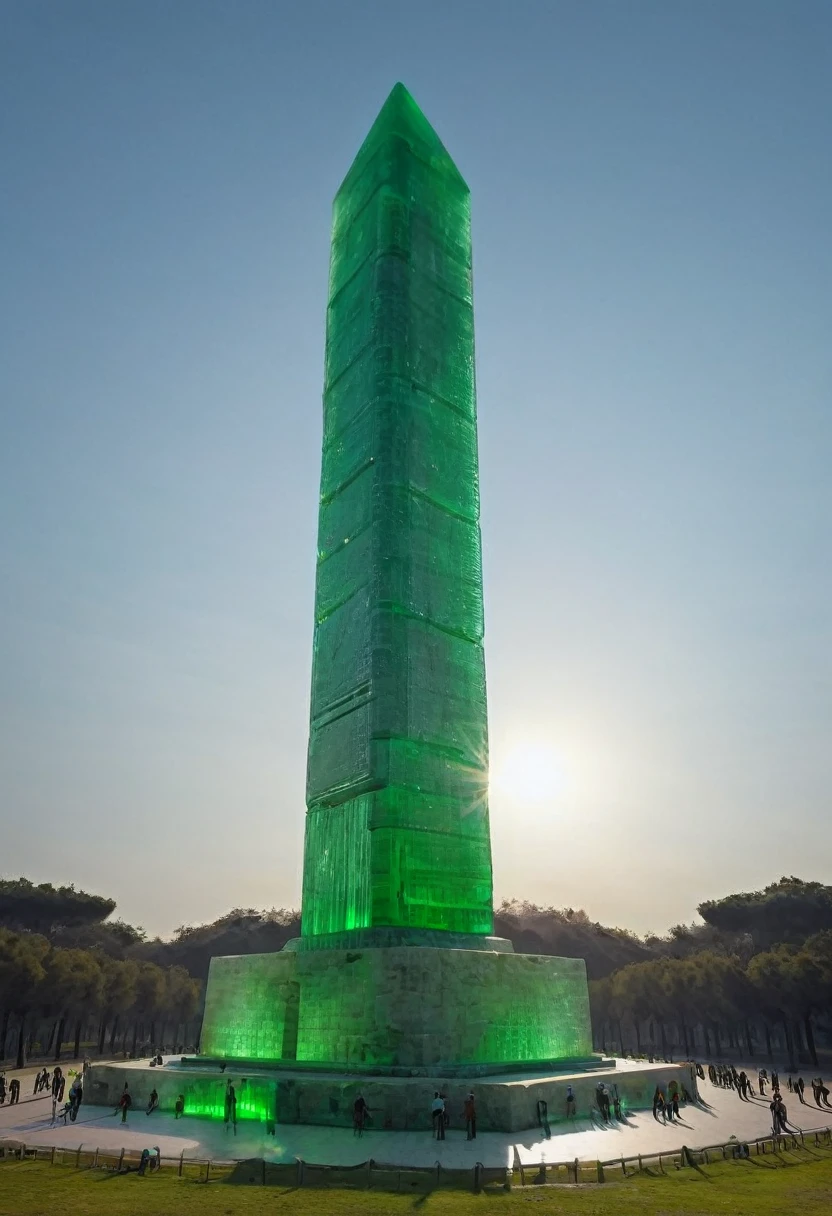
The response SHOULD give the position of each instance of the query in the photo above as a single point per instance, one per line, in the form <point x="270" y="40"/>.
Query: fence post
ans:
<point x="181" y="1160"/>
<point x="78" y="1156"/>
<point x="599" y="1171"/>
<point x="52" y="1157"/>
<point x="369" y="1172"/>
<point x="477" y="1183"/>
<point x="121" y="1160"/>
<point x="95" y="1159"/>
<point x="207" y="1170"/>
<point x="577" y="1175"/>
<point x="300" y="1170"/>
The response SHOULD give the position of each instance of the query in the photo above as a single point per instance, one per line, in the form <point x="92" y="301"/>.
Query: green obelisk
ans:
<point x="396" y="968"/>
<point x="397" y="830"/>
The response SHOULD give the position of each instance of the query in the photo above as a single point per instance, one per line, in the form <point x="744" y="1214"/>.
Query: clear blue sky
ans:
<point x="652" y="194"/>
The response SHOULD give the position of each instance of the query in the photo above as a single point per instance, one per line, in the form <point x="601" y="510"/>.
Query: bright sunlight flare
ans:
<point x="528" y="772"/>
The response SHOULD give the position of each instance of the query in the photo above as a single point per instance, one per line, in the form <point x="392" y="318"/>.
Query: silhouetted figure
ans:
<point x="179" y="1107"/>
<point x="360" y="1111"/>
<point x="153" y="1103"/>
<point x="14" y="1091"/>
<point x="124" y="1104"/>
<point x="231" y="1108"/>
<point x="469" y="1112"/>
<point x="571" y="1107"/>
<point x="2" y="1089"/>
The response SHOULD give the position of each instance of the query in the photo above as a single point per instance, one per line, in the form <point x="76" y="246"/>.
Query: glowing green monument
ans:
<point x="395" y="987"/>
<point x="397" y="824"/>
<point x="396" y="972"/>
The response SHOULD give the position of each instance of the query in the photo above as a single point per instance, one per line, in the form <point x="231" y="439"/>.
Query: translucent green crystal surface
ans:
<point x="397" y="818"/>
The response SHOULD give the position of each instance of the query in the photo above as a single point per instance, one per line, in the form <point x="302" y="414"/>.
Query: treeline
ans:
<point x="50" y="994"/>
<point x="738" y="999"/>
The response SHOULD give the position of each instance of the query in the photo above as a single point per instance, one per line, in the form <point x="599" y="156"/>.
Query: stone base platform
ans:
<point x="418" y="1009"/>
<point x="283" y="1094"/>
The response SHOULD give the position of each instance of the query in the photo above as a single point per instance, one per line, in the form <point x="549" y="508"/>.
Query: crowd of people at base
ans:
<point x="666" y="1105"/>
<point x="727" y="1077"/>
<point x="440" y="1118"/>
<point x="50" y="1082"/>
<point x="125" y="1105"/>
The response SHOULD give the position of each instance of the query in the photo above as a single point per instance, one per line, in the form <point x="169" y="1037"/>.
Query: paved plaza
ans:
<point x="720" y="1115"/>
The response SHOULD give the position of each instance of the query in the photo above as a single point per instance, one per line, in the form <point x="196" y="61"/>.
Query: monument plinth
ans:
<point x="396" y="982"/>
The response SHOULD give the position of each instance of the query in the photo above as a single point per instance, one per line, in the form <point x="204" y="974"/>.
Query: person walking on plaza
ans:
<point x="2" y="1088"/>
<point x="124" y="1103"/>
<point x="437" y="1113"/>
<point x="14" y="1091"/>
<point x="470" y="1112"/>
<point x="360" y="1113"/>
<point x="179" y="1107"/>
<point x="799" y="1087"/>
<point x="153" y="1103"/>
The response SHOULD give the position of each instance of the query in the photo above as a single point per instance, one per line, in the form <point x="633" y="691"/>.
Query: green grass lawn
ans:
<point x="760" y="1187"/>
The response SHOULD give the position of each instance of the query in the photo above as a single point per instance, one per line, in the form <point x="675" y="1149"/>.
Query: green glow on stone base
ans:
<point x="206" y="1099"/>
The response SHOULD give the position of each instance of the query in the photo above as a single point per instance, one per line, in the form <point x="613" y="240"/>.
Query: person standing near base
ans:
<point x="124" y="1103"/>
<point x="470" y="1112"/>
<point x="437" y="1113"/>
<point x="231" y="1108"/>
<point x="571" y="1109"/>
